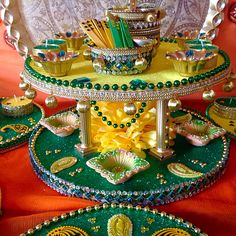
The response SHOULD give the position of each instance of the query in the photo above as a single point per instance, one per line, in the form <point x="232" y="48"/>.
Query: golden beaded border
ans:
<point x="113" y="205"/>
<point x="123" y="96"/>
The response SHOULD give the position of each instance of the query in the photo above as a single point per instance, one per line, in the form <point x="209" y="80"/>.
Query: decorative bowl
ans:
<point x="225" y="108"/>
<point x="183" y="37"/>
<point x="56" y="64"/>
<point x="60" y="42"/>
<point x="208" y="48"/>
<point x="123" y="61"/>
<point x="62" y="124"/>
<point x="74" y="40"/>
<point x="44" y="49"/>
<point x="118" y="166"/>
<point x="199" y="133"/>
<point x="191" y="62"/>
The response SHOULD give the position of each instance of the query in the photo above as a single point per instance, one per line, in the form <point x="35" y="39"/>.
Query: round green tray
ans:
<point x="11" y="139"/>
<point x="228" y="124"/>
<point x="144" y="188"/>
<point x="94" y="221"/>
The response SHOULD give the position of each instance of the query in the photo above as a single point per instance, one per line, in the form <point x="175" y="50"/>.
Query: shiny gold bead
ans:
<point x="87" y="54"/>
<point x="46" y="222"/>
<point x="174" y="104"/>
<point x="51" y="101"/>
<point x="38" y="227"/>
<point x="228" y="86"/>
<point x="96" y="207"/>
<point x="30" y="93"/>
<point x="141" y="64"/>
<point x="63" y="216"/>
<point x="88" y="208"/>
<point x="130" y="108"/>
<point x="105" y="205"/>
<point x="23" y="86"/>
<point x="55" y="219"/>
<point x="208" y="95"/>
<point x="30" y="231"/>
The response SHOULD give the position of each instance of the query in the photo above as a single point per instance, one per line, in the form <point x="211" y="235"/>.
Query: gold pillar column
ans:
<point x="85" y="147"/>
<point x="162" y="150"/>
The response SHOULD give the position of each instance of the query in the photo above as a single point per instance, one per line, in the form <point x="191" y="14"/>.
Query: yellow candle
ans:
<point x="16" y="101"/>
<point x="17" y="106"/>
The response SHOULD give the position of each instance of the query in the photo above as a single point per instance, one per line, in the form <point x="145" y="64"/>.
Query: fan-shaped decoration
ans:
<point x="171" y="232"/>
<point x="67" y="231"/>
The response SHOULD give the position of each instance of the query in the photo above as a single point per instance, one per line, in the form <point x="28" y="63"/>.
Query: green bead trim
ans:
<point x="109" y="122"/>
<point x="125" y="87"/>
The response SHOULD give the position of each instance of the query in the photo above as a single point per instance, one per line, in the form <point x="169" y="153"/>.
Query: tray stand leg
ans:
<point x="85" y="147"/>
<point x="162" y="150"/>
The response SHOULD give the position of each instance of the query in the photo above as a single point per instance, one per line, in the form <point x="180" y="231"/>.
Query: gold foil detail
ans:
<point x="118" y="225"/>
<point x="67" y="230"/>
<point x="171" y="232"/>
<point x="19" y="128"/>
<point x="62" y="164"/>
<point x="183" y="171"/>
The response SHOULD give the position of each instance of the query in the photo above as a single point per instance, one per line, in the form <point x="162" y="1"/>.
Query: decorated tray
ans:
<point x="190" y="171"/>
<point x="227" y="119"/>
<point x="160" y="81"/>
<point x="15" y="131"/>
<point x="114" y="220"/>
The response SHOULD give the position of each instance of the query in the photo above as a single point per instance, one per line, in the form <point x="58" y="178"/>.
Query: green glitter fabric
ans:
<point x="145" y="188"/>
<point x="94" y="222"/>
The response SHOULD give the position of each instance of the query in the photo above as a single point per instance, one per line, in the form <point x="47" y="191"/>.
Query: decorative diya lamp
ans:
<point x="56" y="64"/>
<point x="17" y="106"/>
<point x="59" y="42"/>
<point x="182" y="38"/>
<point x="44" y="49"/>
<point x="199" y="133"/>
<point x="125" y="61"/>
<point x="118" y="166"/>
<point x="191" y="62"/>
<point x="74" y="40"/>
<point x="62" y="124"/>
<point x="208" y="48"/>
<point x="225" y="108"/>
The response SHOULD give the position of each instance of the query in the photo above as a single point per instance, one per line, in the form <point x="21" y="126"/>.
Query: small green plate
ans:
<point x="11" y="136"/>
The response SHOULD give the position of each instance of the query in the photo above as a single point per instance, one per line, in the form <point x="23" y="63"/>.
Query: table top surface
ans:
<point x="161" y="71"/>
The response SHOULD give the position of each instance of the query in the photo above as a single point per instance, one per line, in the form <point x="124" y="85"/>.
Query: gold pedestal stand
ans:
<point x="162" y="150"/>
<point x="85" y="147"/>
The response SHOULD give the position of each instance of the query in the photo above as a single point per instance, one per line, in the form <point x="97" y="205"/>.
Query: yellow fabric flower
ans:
<point x="136" y="138"/>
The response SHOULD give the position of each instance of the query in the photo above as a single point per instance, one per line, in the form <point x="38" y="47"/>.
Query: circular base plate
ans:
<point x="94" y="221"/>
<point x="154" y="186"/>
<point x="15" y="131"/>
<point x="228" y="124"/>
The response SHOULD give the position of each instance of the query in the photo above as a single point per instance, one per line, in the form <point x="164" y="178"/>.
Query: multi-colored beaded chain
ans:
<point x="110" y="123"/>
